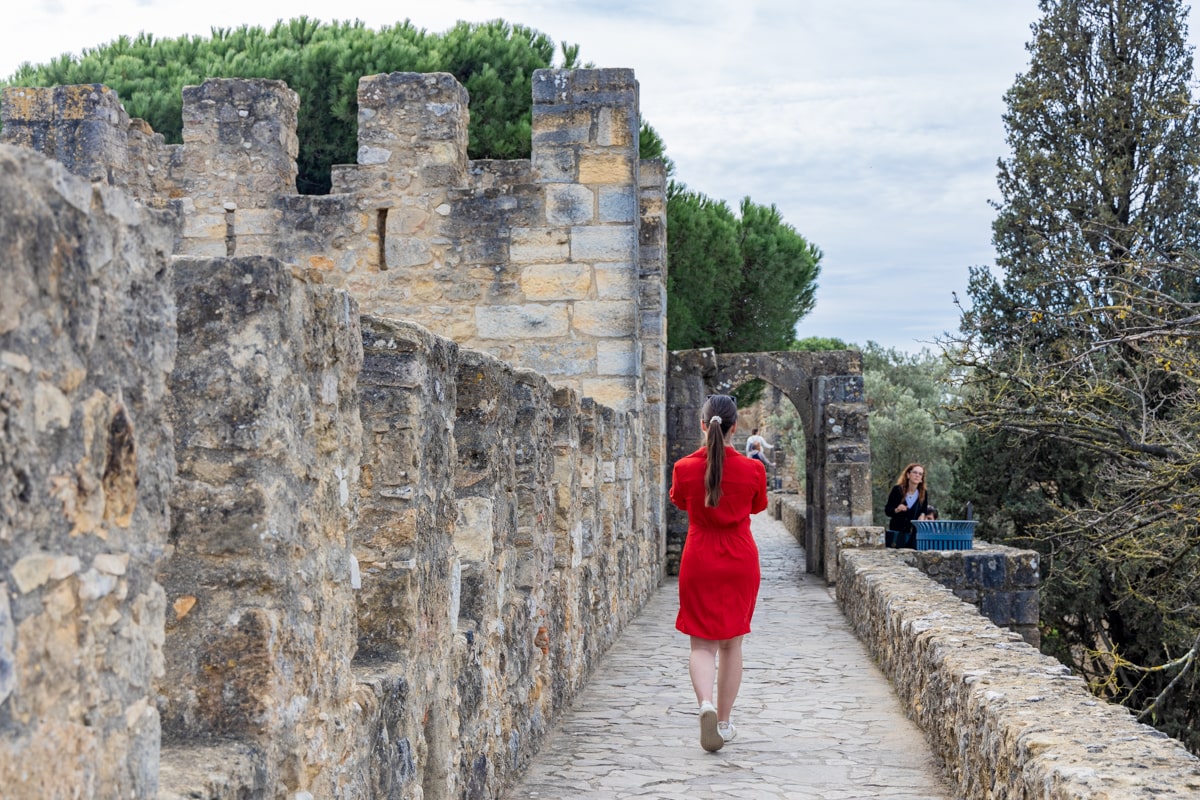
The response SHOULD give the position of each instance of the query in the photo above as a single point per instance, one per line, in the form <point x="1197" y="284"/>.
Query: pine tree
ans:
<point x="322" y="62"/>
<point x="736" y="283"/>
<point x="1084" y="351"/>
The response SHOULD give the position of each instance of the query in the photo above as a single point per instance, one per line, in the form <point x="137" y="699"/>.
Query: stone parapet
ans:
<point x="85" y="128"/>
<point x="1002" y="582"/>
<point x="396" y="550"/>
<point x="86" y="343"/>
<point x="259" y="579"/>
<point x="1005" y="720"/>
<point x="363" y="562"/>
<point x="239" y="146"/>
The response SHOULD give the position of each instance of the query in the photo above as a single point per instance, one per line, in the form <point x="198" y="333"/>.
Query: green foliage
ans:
<point x="906" y="395"/>
<point x="1081" y="361"/>
<point x="815" y="344"/>
<point x="704" y="268"/>
<point x="323" y="62"/>
<point x="736" y="283"/>
<point x="651" y="145"/>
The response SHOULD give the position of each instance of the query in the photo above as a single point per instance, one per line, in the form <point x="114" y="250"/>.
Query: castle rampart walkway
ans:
<point x="816" y="718"/>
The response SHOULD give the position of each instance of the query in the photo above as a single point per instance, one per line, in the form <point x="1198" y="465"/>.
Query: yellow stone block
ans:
<point x="610" y="168"/>
<point x="556" y="282"/>
<point x="539" y="245"/>
<point x="616" y="393"/>
<point x="406" y="221"/>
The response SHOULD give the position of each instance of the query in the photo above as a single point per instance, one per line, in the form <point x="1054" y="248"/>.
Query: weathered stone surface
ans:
<point x="268" y="439"/>
<point x="540" y="245"/>
<point x="87" y="337"/>
<point x="413" y="227"/>
<point x="605" y="319"/>
<point x="603" y="243"/>
<point x="472" y="623"/>
<point x="570" y="204"/>
<point x="530" y="321"/>
<point x="240" y="142"/>
<point x="544" y="282"/>
<point x="1006" y="720"/>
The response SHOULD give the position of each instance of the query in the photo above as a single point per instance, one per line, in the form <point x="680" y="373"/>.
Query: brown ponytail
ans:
<point x="718" y="415"/>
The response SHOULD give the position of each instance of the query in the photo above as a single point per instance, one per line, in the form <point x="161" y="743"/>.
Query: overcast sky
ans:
<point x="873" y="125"/>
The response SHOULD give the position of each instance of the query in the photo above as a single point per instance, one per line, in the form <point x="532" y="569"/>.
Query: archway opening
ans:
<point x="826" y="391"/>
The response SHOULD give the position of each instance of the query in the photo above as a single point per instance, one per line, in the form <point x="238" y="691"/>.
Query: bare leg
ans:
<point x="702" y="667"/>
<point x="729" y="676"/>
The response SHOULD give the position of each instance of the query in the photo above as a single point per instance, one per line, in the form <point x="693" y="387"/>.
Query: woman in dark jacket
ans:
<point x="907" y="501"/>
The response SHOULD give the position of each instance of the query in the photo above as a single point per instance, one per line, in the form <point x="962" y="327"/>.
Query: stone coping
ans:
<point x="1005" y="720"/>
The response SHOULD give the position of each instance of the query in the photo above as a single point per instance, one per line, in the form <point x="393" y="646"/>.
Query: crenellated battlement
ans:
<point x="538" y="262"/>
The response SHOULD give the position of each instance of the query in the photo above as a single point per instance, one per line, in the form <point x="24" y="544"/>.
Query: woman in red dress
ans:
<point x="719" y="488"/>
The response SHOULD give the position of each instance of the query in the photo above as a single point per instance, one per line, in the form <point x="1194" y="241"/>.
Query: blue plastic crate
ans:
<point x="945" y="534"/>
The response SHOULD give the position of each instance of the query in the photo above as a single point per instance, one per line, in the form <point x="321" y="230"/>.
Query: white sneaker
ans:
<point x="710" y="737"/>
<point x="727" y="730"/>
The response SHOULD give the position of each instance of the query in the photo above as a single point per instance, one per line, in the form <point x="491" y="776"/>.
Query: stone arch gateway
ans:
<point x="826" y="389"/>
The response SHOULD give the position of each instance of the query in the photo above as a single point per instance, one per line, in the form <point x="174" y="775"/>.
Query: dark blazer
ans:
<point x="901" y="523"/>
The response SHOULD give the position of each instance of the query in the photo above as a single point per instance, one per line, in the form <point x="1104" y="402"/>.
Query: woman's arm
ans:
<point x="894" y="498"/>
<point x="676" y="493"/>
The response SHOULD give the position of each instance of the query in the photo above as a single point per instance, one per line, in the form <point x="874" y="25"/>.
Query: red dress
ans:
<point x="719" y="572"/>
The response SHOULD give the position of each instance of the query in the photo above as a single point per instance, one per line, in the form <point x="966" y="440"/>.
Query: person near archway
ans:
<point x="757" y="447"/>
<point x="907" y="501"/>
<point x="719" y="573"/>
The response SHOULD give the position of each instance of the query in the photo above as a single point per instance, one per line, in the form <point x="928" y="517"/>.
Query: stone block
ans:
<point x="202" y="248"/>
<point x="530" y="321"/>
<point x="986" y="570"/>
<point x="570" y="204"/>
<point x="444" y="320"/>
<point x="605" y="318"/>
<point x="617" y="204"/>
<point x="618" y="358"/>
<point x="1024" y="569"/>
<point x="617" y="281"/>
<point x="560" y="359"/>
<point x="211" y="227"/>
<point x="603" y="243"/>
<point x="542" y="282"/>
<point x="559" y="127"/>
<point x="474" y="530"/>
<point x="998" y="607"/>
<point x="555" y="165"/>
<point x="616" y="127"/>
<point x="534" y="245"/>
<point x="616" y="392"/>
<point x="1026" y="607"/>
<point x="404" y="252"/>
<point x="603" y="168"/>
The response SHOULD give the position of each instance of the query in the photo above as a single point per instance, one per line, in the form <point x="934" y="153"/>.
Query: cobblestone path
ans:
<point x="816" y="719"/>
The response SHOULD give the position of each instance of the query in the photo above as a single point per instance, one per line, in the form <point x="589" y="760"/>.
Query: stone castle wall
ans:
<point x="266" y="538"/>
<point x="1004" y="720"/>
<point x="555" y="264"/>
<point x="955" y="633"/>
